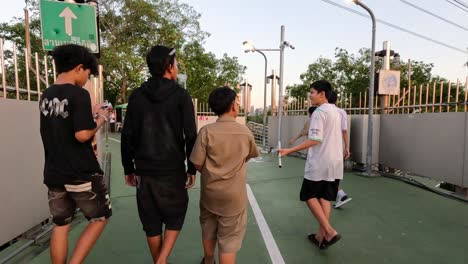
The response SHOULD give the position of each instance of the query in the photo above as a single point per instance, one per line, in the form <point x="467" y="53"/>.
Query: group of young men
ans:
<point x="161" y="153"/>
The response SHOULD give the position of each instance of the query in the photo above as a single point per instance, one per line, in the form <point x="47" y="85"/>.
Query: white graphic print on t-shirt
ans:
<point x="54" y="107"/>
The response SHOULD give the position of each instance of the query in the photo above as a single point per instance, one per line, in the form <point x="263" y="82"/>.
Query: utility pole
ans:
<point x="385" y="66"/>
<point x="280" y="94"/>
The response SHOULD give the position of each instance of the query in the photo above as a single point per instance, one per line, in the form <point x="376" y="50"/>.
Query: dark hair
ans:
<point x="159" y="58"/>
<point x="322" y="86"/>
<point x="221" y="99"/>
<point x="333" y="97"/>
<point x="67" y="57"/>
<point x="311" y="109"/>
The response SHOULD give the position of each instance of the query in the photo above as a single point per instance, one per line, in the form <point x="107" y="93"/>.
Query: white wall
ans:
<point x="22" y="194"/>
<point x="205" y="120"/>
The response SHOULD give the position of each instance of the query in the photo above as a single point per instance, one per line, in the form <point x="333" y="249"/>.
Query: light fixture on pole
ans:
<point x="371" y="90"/>
<point x="249" y="47"/>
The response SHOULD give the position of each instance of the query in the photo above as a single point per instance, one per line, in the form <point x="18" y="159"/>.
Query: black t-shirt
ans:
<point x="66" y="109"/>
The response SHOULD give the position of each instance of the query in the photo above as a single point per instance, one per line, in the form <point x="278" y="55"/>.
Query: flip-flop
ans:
<point x="314" y="240"/>
<point x="325" y="244"/>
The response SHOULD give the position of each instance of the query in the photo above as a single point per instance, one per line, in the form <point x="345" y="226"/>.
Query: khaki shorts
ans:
<point x="229" y="231"/>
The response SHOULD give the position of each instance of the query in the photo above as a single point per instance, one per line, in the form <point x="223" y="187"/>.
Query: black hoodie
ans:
<point x="159" y="131"/>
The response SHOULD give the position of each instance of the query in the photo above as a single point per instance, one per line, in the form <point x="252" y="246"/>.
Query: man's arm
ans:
<point x="344" y="131"/>
<point x="346" y="153"/>
<point x="253" y="150"/>
<point x="129" y="132"/>
<point x="190" y="131"/>
<point x="85" y="135"/>
<point x="293" y="140"/>
<point x="198" y="167"/>
<point x="304" y="145"/>
<point x="315" y="135"/>
<point x="304" y="132"/>
<point x="198" y="155"/>
<point x="84" y="125"/>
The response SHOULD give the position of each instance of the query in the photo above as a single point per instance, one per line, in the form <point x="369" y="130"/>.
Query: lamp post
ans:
<point x="248" y="47"/>
<point x="371" y="91"/>
<point x="283" y="45"/>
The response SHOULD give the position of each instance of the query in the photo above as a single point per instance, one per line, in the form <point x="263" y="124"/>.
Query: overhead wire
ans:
<point x="461" y="3"/>
<point x="456" y="5"/>
<point x="434" y="15"/>
<point x="400" y="28"/>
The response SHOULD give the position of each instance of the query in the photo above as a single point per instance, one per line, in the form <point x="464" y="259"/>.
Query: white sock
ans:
<point x="341" y="193"/>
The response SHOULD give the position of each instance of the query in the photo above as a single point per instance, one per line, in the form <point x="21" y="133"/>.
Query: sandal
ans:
<point x="325" y="244"/>
<point x="314" y="240"/>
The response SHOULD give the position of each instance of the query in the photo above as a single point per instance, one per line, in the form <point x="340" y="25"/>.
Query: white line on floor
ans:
<point x="270" y="243"/>
<point x="273" y="250"/>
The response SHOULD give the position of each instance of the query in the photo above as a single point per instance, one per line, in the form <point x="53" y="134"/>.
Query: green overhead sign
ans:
<point x="68" y="23"/>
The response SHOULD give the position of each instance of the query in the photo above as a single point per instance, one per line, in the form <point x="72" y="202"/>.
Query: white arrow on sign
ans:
<point x="68" y="15"/>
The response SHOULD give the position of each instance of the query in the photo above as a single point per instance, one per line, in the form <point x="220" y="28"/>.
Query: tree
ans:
<point x="170" y="23"/>
<point x="14" y="32"/>
<point x="205" y="72"/>
<point x="130" y="27"/>
<point x="321" y="69"/>
<point x="127" y="29"/>
<point x="200" y="68"/>
<point x="229" y="71"/>
<point x="349" y="73"/>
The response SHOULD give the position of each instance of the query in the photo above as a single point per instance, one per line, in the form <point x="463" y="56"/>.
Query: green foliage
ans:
<point x="128" y="28"/>
<point x="205" y="72"/>
<point x="349" y="73"/>
<point x="14" y="32"/>
<point x="255" y="118"/>
<point x="200" y="68"/>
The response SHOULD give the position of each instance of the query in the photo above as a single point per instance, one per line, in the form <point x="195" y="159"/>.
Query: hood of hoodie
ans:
<point x="158" y="89"/>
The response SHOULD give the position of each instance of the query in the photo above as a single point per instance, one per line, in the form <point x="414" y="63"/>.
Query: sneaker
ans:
<point x="342" y="201"/>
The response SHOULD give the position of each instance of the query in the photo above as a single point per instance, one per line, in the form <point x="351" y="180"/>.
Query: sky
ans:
<point x="316" y="28"/>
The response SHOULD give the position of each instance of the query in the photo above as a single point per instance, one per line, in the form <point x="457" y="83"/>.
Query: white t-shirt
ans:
<point x="344" y="118"/>
<point x="325" y="160"/>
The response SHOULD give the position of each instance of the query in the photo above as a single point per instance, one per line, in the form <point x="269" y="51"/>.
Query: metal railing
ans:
<point x="24" y="76"/>
<point x="435" y="97"/>
<point x="203" y="109"/>
<point x="21" y="79"/>
<point x="257" y="131"/>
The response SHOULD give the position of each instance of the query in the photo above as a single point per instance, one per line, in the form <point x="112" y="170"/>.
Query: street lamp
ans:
<point x="249" y="47"/>
<point x="371" y="91"/>
<point x="283" y="44"/>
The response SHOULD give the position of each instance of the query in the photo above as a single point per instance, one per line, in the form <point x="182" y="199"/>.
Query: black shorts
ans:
<point x="91" y="197"/>
<point x="319" y="189"/>
<point x="161" y="202"/>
